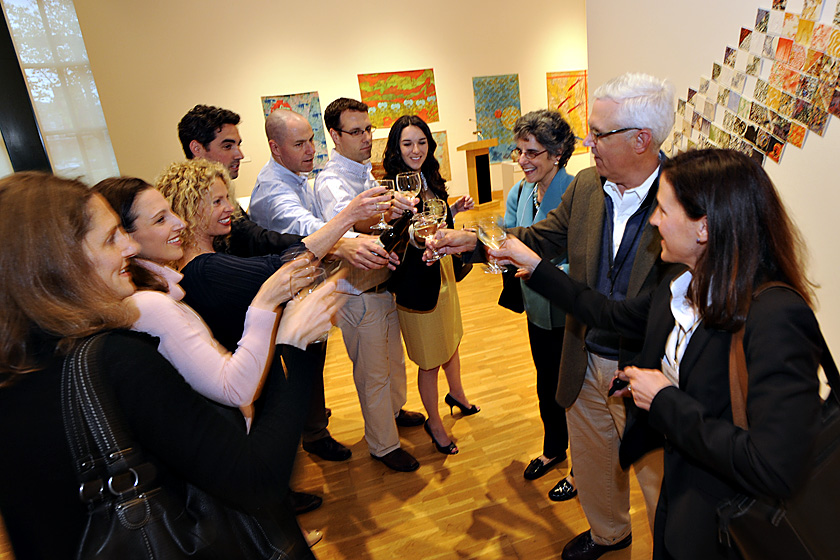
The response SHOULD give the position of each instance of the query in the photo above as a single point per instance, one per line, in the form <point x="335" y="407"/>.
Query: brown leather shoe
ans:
<point x="582" y="547"/>
<point x="408" y="419"/>
<point x="399" y="460"/>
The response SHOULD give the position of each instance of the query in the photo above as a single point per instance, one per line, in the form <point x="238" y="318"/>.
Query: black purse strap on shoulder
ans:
<point x="105" y="458"/>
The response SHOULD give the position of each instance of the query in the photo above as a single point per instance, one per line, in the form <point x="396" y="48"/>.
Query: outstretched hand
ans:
<point x="449" y="242"/>
<point x="280" y="286"/>
<point x="305" y="321"/>
<point x="462" y="205"/>
<point x="513" y="251"/>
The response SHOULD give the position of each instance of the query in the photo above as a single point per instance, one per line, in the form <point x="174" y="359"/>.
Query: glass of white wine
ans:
<point x="382" y="225"/>
<point x="409" y="184"/>
<point x="425" y="226"/>
<point x="437" y="208"/>
<point x="492" y="234"/>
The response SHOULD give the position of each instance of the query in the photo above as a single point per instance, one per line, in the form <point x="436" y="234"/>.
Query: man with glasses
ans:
<point x="368" y="320"/>
<point x="602" y="227"/>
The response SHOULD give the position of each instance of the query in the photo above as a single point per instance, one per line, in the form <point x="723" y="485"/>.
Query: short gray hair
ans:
<point x="644" y="102"/>
<point x="551" y="130"/>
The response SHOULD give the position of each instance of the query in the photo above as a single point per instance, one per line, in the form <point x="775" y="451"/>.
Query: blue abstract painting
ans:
<point x="496" y="110"/>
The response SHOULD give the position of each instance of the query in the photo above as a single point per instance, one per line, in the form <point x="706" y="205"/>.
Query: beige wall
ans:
<point x="154" y="60"/>
<point x="685" y="38"/>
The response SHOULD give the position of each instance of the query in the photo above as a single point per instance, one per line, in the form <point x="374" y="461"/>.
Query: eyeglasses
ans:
<point x="598" y="136"/>
<point x="516" y="153"/>
<point x="356" y="132"/>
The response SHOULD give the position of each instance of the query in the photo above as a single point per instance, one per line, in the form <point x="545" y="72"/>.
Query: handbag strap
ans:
<point x="739" y="377"/>
<point x="102" y="450"/>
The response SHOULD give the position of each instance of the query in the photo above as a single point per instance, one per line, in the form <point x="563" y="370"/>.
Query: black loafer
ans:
<point x="582" y="547"/>
<point x="562" y="491"/>
<point x="537" y="468"/>
<point x="328" y="449"/>
<point x="398" y="460"/>
<point x="303" y="502"/>
<point x="408" y="419"/>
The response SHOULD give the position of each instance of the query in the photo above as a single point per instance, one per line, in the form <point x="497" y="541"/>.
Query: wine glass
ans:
<point x="409" y="184"/>
<point x="492" y="234"/>
<point x="425" y="226"/>
<point x="316" y="276"/>
<point x="436" y="207"/>
<point x="382" y="225"/>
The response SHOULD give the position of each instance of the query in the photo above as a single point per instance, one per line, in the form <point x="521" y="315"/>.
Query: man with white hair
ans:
<point x="602" y="227"/>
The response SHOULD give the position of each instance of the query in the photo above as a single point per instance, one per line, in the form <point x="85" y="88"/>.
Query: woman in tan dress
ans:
<point x="427" y="299"/>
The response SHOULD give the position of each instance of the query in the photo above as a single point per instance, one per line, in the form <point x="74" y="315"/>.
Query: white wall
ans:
<point x="680" y="40"/>
<point x="154" y="60"/>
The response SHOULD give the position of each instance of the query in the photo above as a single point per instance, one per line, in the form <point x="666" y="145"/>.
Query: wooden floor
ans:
<point x="472" y="505"/>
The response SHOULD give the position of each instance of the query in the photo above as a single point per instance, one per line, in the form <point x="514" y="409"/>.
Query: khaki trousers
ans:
<point x="596" y="425"/>
<point x="371" y="331"/>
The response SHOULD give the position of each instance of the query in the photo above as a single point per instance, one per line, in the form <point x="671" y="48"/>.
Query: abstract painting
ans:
<point x="568" y="93"/>
<point x="391" y="95"/>
<point x="496" y="110"/>
<point x="308" y="105"/>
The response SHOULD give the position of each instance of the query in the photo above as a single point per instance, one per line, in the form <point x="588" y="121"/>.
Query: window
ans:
<point x="54" y="61"/>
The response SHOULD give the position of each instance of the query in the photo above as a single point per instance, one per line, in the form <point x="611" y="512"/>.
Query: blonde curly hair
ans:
<point x="186" y="185"/>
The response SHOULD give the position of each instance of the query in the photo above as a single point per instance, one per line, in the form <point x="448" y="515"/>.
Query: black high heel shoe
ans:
<point x="453" y="402"/>
<point x="450" y="449"/>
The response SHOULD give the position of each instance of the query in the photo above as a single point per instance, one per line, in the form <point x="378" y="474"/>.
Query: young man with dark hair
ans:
<point x="211" y="133"/>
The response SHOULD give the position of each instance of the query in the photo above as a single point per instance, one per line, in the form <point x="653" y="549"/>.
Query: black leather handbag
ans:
<point x="130" y="514"/>
<point x="802" y="527"/>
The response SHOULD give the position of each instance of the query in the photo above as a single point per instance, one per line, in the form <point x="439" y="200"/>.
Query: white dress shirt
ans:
<point x="624" y="206"/>
<point x="284" y="202"/>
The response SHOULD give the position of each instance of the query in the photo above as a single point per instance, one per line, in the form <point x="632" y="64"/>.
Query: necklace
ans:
<point x="682" y="334"/>
<point x="534" y="198"/>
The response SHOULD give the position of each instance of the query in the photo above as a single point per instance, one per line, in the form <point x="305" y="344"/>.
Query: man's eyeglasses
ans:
<point x="356" y="132"/>
<point x="598" y="136"/>
<point x="529" y="154"/>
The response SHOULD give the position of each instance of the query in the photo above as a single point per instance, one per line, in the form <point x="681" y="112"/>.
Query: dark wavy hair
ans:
<point x="393" y="162"/>
<point x="551" y="130"/>
<point x="203" y="123"/>
<point x="751" y="238"/>
<point x="121" y="192"/>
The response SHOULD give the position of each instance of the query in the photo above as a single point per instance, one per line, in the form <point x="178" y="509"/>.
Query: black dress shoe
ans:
<point x="562" y="491"/>
<point x="328" y="449"/>
<point x="582" y="547"/>
<point x="537" y="468"/>
<point x="303" y="503"/>
<point x="399" y="460"/>
<point x="408" y="419"/>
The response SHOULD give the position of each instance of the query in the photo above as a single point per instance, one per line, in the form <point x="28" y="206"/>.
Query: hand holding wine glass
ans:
<point x="425" y="226"/>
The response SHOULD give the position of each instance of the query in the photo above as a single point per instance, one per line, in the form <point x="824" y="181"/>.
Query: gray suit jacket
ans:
<point x="574" y="230"/>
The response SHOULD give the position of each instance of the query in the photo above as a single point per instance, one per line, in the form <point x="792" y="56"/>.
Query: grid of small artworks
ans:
<point x="778" y="84"/>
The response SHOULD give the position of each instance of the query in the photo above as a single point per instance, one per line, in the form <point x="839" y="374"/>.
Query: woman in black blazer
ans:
<point x="719" y="214"/>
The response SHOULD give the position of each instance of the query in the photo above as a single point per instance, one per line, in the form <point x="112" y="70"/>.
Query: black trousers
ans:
<point x="315" y="426"/>
<point x="545" y="350"/>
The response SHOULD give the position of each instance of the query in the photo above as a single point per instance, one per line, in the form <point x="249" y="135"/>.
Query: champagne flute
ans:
<point x="425" y="227"/>
<point x="492" y="234"/>
<point x="382" y="225"/>
<point x="409" y="184"/>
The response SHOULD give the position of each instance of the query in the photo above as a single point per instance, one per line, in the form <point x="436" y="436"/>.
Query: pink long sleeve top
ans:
<point x="186" y="341"/>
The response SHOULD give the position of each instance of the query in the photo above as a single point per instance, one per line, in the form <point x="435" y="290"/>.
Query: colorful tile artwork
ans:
<point x="391" y="95"/>
<point x="784" y="82"/>
<point x="308" y="105"/>
<point x="377" y="152"/>
<point x="496" y="110"/>
<point x="567" y="93"/>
